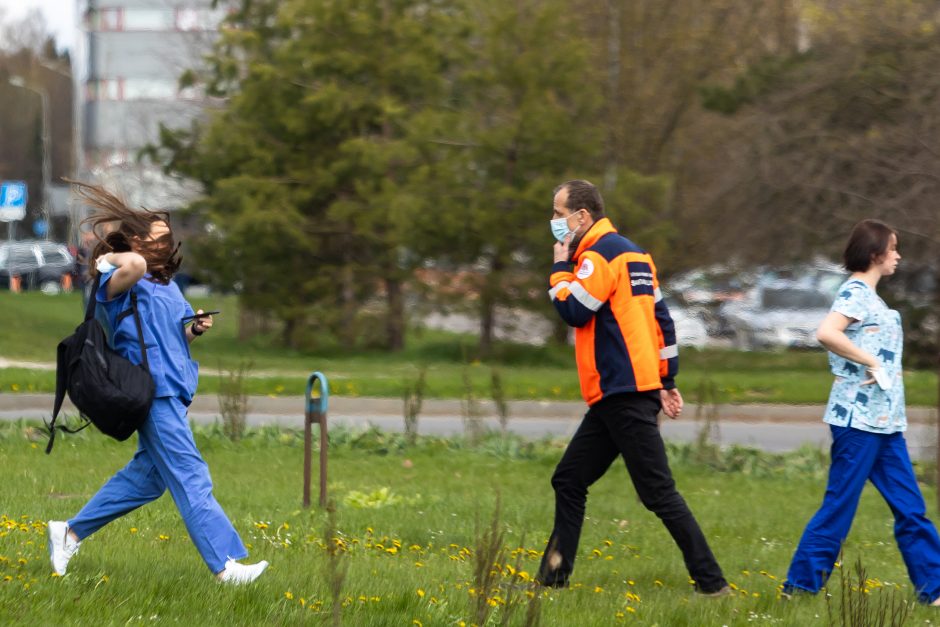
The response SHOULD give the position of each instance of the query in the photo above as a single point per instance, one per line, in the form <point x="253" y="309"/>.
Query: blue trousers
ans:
<point x="166" y="458"/>
<point x="859" y="456"/>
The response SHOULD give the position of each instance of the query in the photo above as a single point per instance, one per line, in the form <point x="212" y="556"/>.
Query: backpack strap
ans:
<point x="140" y="330"/>
<point x="61" y="380"/>
<point x="93" y="297"/>
<point x="132" y="310"/>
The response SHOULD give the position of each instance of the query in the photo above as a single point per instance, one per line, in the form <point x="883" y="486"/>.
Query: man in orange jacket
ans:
<point x="625" y="347"/>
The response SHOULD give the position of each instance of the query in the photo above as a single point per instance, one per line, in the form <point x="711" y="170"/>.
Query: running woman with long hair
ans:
<point x="136" y="251"/>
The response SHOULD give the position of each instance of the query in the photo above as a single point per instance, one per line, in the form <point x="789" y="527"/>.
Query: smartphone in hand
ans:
<point x="200" y="315"/>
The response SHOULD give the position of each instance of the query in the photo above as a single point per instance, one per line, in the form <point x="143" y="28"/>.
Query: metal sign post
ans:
<point x="317" y="401"/>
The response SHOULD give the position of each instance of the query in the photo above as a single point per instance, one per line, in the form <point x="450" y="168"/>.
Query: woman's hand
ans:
<point x="831" y="334"/>
<point x="200" y="324"/>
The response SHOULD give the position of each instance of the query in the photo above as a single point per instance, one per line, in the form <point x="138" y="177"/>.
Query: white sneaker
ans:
<point x="61" y="545"/>
<point x="238" y="574"/>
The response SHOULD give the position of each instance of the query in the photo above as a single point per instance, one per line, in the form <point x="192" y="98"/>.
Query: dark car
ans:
<point x="39" y="264"/>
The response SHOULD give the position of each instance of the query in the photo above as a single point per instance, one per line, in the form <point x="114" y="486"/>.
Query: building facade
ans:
<point x="134" y="54"/>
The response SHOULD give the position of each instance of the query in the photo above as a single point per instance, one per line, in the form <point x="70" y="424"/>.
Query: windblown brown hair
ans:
<point x="114" y="224"/>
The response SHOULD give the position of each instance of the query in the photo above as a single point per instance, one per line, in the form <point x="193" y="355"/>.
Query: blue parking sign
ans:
<point x="13" y="197"/>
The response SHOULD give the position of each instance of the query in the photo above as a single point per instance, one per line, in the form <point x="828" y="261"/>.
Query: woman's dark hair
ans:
<point x="115" y="224"/>
<point x="583" y="195"/>
<point x="868" y="241"/>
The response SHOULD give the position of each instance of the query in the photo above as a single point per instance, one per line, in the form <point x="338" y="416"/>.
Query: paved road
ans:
<point x="769" y="427"/>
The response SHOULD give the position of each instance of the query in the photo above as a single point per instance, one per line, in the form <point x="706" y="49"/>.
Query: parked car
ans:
<point x="39" y="264"/>
<point x="690" y="328"/>
<point x="778" y="314"/>
<point x="711" y="285"/>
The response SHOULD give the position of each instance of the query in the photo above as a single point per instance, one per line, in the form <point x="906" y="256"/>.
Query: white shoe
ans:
<point x="238" y="574"/>
<point x="61" y="545"/>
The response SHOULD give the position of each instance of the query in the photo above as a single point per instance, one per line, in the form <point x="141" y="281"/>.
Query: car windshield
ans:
<point x="22" y="257"/>
<point x="789" y="298"/>
<point x="55" y="257"/>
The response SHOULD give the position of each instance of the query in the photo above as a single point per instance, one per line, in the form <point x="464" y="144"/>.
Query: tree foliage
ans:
<point x="848" y="129"/>
<point x="357" y="141"/>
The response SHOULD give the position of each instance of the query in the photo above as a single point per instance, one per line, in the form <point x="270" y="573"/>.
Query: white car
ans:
<point x="780" y="314"/>
<point x="690" y="328"/>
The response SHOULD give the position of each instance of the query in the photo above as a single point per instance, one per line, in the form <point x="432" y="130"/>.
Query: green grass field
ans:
<point x="31" y="325"/>
<point x="409" y="522"/>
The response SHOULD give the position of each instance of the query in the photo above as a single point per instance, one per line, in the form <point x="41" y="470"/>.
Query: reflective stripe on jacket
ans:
<point x="625" y="340"/>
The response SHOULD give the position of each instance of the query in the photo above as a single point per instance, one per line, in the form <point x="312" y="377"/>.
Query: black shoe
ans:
<point x="715" y="594"/>
<point x="549" y="582"/>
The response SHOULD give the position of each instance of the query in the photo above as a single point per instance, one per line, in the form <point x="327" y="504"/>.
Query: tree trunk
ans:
<point x="612" y="159"/>
<point x="560" y="332"/>
<point x="395" y="318"/>
<point x="347" y="328"/>
<point x="487" y="317"/>
<point x="290" y="325"/>
<point x="491" y="288"/>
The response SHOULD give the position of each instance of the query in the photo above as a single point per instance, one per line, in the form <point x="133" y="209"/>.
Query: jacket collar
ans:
<point x="598" y="230"/>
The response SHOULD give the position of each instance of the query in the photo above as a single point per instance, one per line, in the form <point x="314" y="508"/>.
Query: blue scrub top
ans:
<point x="162" y="309"/>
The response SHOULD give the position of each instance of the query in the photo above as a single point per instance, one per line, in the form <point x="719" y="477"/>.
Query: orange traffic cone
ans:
<point x="15" y="285"/>
<point x="66" y="282"/>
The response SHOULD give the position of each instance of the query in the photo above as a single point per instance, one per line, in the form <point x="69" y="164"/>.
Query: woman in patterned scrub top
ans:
<point x="866" y="416"/>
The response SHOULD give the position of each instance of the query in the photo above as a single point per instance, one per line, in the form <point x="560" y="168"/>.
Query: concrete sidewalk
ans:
<point x="16" y="405"/>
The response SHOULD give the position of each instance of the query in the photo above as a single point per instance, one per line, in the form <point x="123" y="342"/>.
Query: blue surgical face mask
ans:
<point x="560" y="228"/>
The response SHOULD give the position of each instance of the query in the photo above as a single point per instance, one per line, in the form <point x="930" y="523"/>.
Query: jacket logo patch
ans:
<point x="586" y="269"/>
<point x="641" y="278"/>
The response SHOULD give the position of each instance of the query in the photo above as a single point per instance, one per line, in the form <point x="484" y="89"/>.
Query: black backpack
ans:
<point x="110" y="392"/>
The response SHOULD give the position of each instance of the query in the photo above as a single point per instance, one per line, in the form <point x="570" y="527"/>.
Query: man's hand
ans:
<point x="561" y="249"/>
<point x="672" y="402"/>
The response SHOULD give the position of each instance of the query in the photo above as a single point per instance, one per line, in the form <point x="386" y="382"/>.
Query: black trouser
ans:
<point x="623" y="424"/>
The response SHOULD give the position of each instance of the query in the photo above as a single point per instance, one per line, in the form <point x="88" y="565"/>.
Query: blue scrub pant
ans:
<point x="166" y="457"/>
<point x="858" y="456"/>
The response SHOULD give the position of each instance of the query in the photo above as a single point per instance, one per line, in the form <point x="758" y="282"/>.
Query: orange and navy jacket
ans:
<point x="625" y="340"/>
